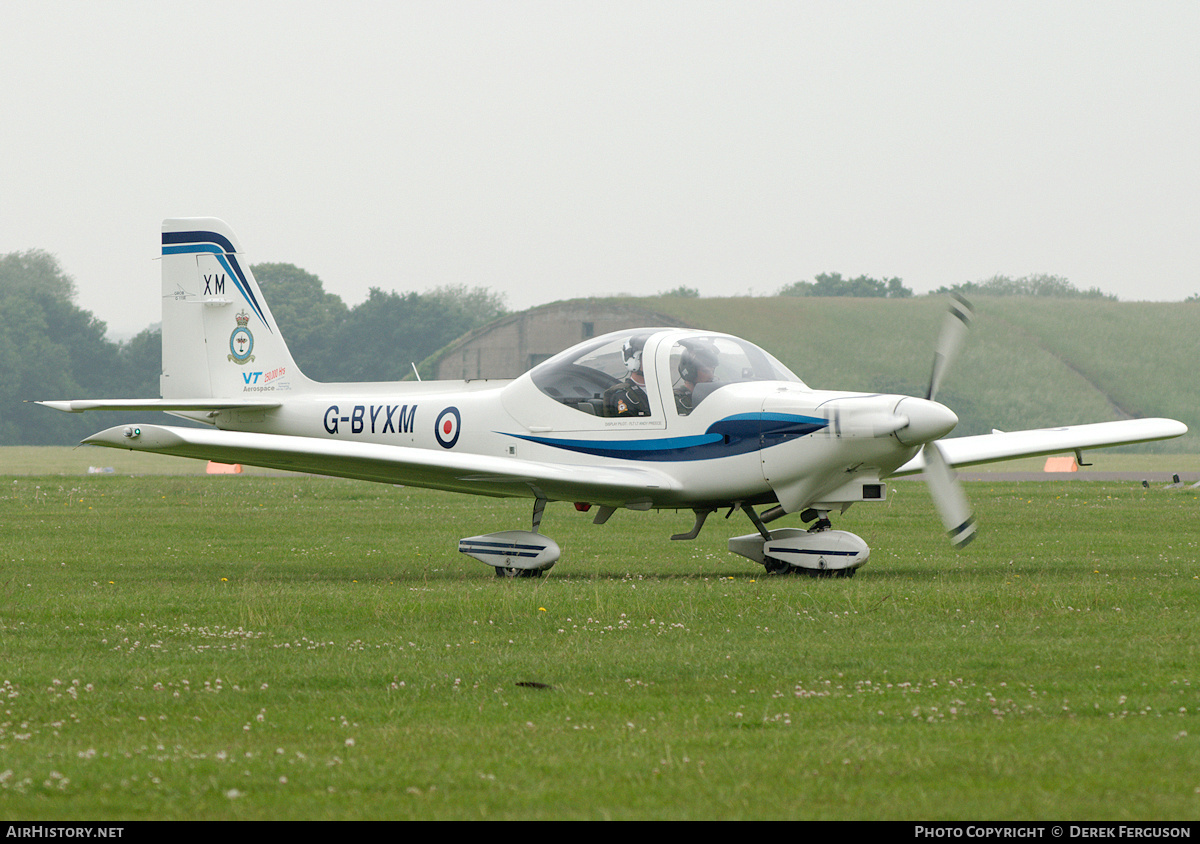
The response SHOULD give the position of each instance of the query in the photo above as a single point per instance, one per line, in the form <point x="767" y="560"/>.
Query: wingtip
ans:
<point x="135" y="438"/>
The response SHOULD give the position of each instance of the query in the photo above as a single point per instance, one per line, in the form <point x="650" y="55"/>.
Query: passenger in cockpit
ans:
<point x="697" y="365"/>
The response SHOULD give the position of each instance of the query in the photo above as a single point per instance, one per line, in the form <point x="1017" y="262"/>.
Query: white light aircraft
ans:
<point x="655" y="418"/>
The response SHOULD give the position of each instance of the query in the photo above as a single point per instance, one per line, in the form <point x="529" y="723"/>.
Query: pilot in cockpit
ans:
<point x="697" y="365"/>
<point x="628" y="397"/>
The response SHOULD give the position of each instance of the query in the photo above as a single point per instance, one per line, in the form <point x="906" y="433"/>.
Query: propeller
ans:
<point x="948" y="496"/>
<point x="913" y="421"/>
<point x="954" y="331"/>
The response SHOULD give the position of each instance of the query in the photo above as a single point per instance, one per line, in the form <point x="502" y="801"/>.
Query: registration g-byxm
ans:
<point x="651" y="418"/>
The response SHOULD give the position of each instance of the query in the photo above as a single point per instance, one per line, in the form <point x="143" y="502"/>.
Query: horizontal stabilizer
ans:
<point x="192" y="405"/>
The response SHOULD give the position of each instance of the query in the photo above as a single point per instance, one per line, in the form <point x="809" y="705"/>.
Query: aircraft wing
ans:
<point x="997" y="446"/>
<point x="470" y="473"/>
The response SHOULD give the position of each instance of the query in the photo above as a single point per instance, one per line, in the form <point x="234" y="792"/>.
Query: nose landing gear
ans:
<point x="819" y="551"/>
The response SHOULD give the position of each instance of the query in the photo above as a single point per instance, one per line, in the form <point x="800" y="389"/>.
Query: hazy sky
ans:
<point x="550" y="150"/>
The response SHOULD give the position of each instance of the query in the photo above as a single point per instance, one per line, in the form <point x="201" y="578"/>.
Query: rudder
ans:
<point x="218" y="336"/>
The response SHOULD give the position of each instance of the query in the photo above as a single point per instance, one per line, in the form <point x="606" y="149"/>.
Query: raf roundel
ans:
<point x="446" y="427"/>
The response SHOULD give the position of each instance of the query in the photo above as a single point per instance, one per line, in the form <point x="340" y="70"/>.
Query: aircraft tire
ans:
<point x="826" y="572"/>
<point x="779" y="567"/>
<point x="508" y="571"/>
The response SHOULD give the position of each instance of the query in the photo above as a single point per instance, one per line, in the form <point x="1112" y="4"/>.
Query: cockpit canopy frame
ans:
<point x="680" y="369"/>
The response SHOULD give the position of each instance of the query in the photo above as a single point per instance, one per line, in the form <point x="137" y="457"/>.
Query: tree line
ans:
<point x="50" y="348"/>
<point x="1038" y="284"/>
<point x="378" y="339"/>
<point x="832" y="284"/>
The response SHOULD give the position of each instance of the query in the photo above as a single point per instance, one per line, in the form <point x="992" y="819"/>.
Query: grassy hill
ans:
<point x="1028" y="363"/>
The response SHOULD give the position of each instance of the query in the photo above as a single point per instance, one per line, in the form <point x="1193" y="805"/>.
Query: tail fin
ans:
<point x="218" y="336"/>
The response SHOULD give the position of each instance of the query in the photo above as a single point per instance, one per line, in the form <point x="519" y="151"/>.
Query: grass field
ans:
<point x="183" y="647"/>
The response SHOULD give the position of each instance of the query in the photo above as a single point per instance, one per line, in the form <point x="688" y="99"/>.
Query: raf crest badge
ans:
<point x="241" y="341"/>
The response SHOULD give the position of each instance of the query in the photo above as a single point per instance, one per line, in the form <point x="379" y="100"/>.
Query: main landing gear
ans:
<point x="515" y="553"/>
<point x="818" y="551"/>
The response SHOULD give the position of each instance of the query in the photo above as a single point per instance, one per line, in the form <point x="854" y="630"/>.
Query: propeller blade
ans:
<point x="954" y="331"/>
<point x="948" y="497"/>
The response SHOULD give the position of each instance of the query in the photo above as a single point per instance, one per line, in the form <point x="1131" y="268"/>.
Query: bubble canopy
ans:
<point x="696" y="361"/>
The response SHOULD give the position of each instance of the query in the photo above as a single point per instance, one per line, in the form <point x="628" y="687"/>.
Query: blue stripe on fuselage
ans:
<point x="177" y="243"/>
<point x="733" y="435"/>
